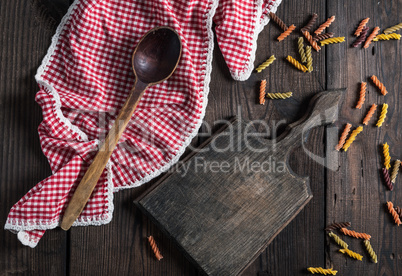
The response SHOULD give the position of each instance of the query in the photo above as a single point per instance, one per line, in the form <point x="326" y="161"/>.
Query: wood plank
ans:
<point x="24" y="41"/>
<point x="355" y="192"/>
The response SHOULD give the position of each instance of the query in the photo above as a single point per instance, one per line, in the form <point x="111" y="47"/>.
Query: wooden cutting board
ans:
<point x="228" y="201"/>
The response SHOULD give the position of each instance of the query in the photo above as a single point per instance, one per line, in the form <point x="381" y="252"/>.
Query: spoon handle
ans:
<point x="94" y="172"/>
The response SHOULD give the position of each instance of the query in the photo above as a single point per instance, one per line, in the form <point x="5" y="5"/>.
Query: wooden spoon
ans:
<point x="154" y="60"/>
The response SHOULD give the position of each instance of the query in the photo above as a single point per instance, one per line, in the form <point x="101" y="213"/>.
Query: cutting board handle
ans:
<point x="323" y="109"/>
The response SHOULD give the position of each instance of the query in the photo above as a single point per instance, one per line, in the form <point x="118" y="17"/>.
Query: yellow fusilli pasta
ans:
<point x="324" y="271"/>
<point x="352" y="137"/>
<point x="309" y="59"/>
<point x="393" y="28"/>
<point x="296" y="64"/>
<point x="383" y="115"/>
<point x="265" y="64"/>
<point x="300" y="45"/>
<point x="370" y="250"/>
<point x="395" y="170"/>
<point x="351" y="254"/>
<point x="387" y="37"/>
<point x="338" y="240"/>
<point x="278" y="96"/>
<point x="332" y="40"/>
<point x="387" y="157"/>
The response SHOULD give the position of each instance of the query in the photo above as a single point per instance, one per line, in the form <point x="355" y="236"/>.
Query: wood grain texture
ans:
<point x="24" y="40"/>
<point x="354" y="192"/>
<point x="222" y="217"/>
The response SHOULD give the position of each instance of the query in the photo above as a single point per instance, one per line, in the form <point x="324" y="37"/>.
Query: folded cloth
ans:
<point x="86" y="76"/>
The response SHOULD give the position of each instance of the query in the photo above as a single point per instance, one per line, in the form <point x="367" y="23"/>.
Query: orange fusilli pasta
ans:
<point x="325" y="25"/>
<point x="355" y="234"/>
<point x="362" y="96"/>
<point x="371" y="37"/>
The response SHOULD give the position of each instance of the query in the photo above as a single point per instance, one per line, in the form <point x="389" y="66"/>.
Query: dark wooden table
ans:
<point x="353" y="191"/>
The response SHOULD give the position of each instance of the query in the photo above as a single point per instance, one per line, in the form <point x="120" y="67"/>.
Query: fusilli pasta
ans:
<point x="369" y="114"/>
<point x="382" y="115"/>
<point x="393" y="28"/>
<point x="325" y="25"/>
<point x="370" y="250"/>
<point x="355" y="234"/>
<point x="395" y="170"/>
<point x="362" y="96"/>
<point x="351" y="254"/>
<point x="296" y="64"/>
<point x="342" y="139"/>
<point x="371" y="37"/>
<point x="265" y="64"/>
<point x="393" y="213"/>
<point x="332" y="40"/>
<point x="352" y="137"/>
<point x="361" y="26"/>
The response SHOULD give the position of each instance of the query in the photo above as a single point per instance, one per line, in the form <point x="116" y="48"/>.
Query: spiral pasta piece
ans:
<point x="382" y="115"/>
<point x="387" y="179"/>
<point x="355" y="234"/>
<point x="369" y="114"/>
<point x="362" y="96"/>
<point x="393" y="28"/>
<point x="265" y="64"/>
<point x="395" y="170"/>
<point x="310" y="39"/>
<point x="370" y="250"/>
<point x="387" y="37"/>
<point x="352" y="137"/>
<point x="342" y="139"/>
<point x="262" y="91"/>
<point x="379" y="84"/>
<point x="300" y="46"/>
<point x="279" y="96"/>
<point x="278" y="21"/>
<point x="325" y="25"/>
<point x="371" y="37"/>
<point x="338" y="240"/>
<point x="361" y="38"/>
<point x="393" y="213"/>
<point x="309" y="57"/>
<point x="154" y="247"/>
<point x="310" y="23"/>
<point x="323" y="36"/>
<point x="337" y="225"/>
<point x="332" y="40"/>
<point x="296" y="64"/>
<point x="324" y="271"/>
<point x="387" y="157"/>
<point x="361" y="26"/>
<point x="351" y="254"/>
<point x="286" y="33"/>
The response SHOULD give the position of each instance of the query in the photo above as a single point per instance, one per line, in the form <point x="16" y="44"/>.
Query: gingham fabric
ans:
<point x="85" y="78"/>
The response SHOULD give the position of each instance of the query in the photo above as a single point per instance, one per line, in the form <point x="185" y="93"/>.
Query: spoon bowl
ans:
<point x="156" y="56"/>
<point x="154" y="60"/>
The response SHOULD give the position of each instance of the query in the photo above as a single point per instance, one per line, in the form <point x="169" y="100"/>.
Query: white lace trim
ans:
<point x="84" y="221"/>
<point x="260" y="24"/>
<point x="25" y="239"/>
<point x="20" y="227"/>
<point x="45" y="62"/>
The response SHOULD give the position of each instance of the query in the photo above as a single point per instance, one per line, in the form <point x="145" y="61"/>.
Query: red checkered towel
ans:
<point x="86" y="76"/>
